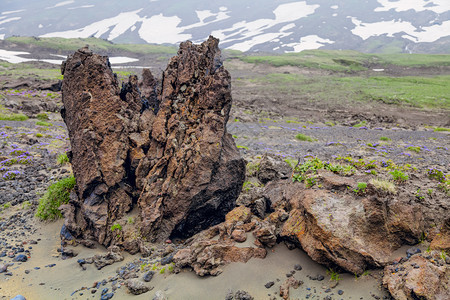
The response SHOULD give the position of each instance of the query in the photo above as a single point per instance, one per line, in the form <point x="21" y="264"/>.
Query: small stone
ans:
<point x="107" y="296"/>
<point x="411" y="251"/>
<point x="297" y="267"/>
<point x="269" y="284"/>
<point x="21" y="258"/>
<point x="3" y="268"/>
<point x="340" y="292"/>
<point x="148" y="276"/>
<point x="166" y="260"/>
<point x="239" y="235"/>
<point x="320" y="277"/>
<point x="159" y="295"/>
<point x="19" y="297"/>
<point x="104" y="291"/>
<point x="136" y="287"/>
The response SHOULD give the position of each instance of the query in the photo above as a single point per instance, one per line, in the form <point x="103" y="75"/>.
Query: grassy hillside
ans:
<point x="421" y="92"/>
<point x="94" y="44"/>
<point x="336" y="60"/>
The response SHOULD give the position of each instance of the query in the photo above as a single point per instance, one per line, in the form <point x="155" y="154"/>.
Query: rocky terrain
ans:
<point x="312" y="210"/>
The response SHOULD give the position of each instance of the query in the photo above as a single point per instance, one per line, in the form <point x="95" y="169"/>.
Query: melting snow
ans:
<point x="61" y="4"/>
<point x="151" y="32"/>
<point x="13" y="56"/>
<point x="12" y="11"/>
<point x="426" y="34"/>
<point x="10" y="19"/>
<point x="120" y="24"/>
<point x="253" y="33"/>
<point x="121" y="60"/>
<point x="308" y="42"/>
<point x="82" y="6"/>
<point x="438" y="6"/>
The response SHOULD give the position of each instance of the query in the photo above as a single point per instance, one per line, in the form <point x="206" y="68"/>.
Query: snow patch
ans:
<point x="121" y="60"/>
<point x="119" y="24"/>
<point x="12" y="11"/>
<point x="63" y="3"/>
<point x="249" y="34"/>
<point x="40" y="26"/>
<point x="14" y="56"/>
<point x="10" y="20"/>
<point x="151" y="32"/>
<point x="308" y="42"/>
<point x="334" y="7"/>
<point x="438" y="6"/>
<point x="82" y="6"/>
<point x="425" y="35"/>
<point x="2" y="36"/>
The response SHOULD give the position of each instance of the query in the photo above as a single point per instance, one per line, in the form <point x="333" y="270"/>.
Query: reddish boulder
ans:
<point x="208" y="256"/>
<point x="418" y="278"/>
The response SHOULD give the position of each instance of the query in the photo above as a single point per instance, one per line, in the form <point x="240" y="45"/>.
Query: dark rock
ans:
<point x="107" y="296"/>
<point x="340" y="292"/>
<point x="148" y="276"/>
<point x="21" y="258"/>
<point x="269" y="284"/>
<point x="297" y="267"/>
<point x="166" y="260"/>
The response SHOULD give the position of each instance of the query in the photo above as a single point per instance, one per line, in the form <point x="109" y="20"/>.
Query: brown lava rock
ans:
<point x="166" y="151"/>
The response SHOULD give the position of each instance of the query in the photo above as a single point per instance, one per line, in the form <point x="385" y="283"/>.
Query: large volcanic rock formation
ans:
<point x="163" y="150"/>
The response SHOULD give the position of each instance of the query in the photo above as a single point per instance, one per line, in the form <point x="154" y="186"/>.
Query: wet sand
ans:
<point x="66" y="277"/>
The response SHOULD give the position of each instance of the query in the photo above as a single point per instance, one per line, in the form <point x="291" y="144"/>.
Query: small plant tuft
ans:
<point x="399" y="176"/>
<point x="43" y="123"/>
<point x="361" y="188"/>
<point x="62" y="159"/>
<point x="305" y="138"/>
<point x="57" y="194"/>
<point x="42" y="117"/>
